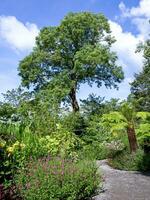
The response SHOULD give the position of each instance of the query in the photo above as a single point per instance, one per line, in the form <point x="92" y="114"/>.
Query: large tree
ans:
<point x="140" y="87"/>
<point x="75" y="52"/>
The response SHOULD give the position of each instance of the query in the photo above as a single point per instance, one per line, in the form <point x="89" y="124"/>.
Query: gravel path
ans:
<point x="123" y="185"/>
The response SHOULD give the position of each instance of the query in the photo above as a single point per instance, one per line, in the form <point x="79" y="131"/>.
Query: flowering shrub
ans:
<point x="117" y="145"/>
<point x="15" y="147"/>
<point x="10" y="157"/>
<point x="56" y="178"/>
<point x="62" y="143"/>
<point x="14" y="155"/>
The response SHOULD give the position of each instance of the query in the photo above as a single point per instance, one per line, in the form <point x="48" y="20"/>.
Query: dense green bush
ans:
<point x="74" y="122"/>
<point x="56" y="178"/>
<point x="132" y="162"/>
<point x="94" y="151"/>
<point x="62" y="143"/>
<point x="95" y="131"/>
<point x="11" y="157"/>
<point x="14" y="154"/>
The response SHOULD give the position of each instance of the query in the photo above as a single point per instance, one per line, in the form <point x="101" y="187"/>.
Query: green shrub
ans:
<point x="14" y="154"/>
<point x="94" y="151"/>
<point x="96" y="131"/>
<point x="133" y="162"/>
<point x="10" y="159"/>
<point x="62" y="143"/>
<point x="144" y="164"/>
<point x="56" y="178"/>
<point x="103" y="150"/>
<point x="114" y="147"/>
<point x="74" y="122"/>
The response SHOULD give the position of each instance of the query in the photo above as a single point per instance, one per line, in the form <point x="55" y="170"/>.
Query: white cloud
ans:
<point x="126" y="42"/>
<point x="18" y="35"/>
<point x="139" y="16"/>
<point x="142" y="26"/>
<point x="124" y="10"/>
<point x="125" y="46"/>
<point x="142" y="10"/>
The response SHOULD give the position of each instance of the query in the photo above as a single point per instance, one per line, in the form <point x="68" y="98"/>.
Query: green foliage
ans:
<point x="37" y="124"/>
<point x="14" y="154"/>
<point x="55" y="178"/>
<point x="93" y="105"/>
<point x="143" y="130"/>
<point x="132" y="162"/>
<point x="94" y="151"/>
<point x="61" y="143"/>
<point x="95" y="131"/>
<point x="103" y="137"/>
<point x="115" y="122"/>
<point x="17" y="96"/>
<point x="6" y="111"/>
<point x="143" y="116"/>
<point x="77" y="51"/>
<point x="128" y="111"/>
<point x="11" y="159"/>
<point x="99" y="141"/>
<point x="74" y="122"/>
<point x="123" y="121"/>
<point x="140" y="87"/>
<point x="112" y="105"/>
<point x="11" y="131"/>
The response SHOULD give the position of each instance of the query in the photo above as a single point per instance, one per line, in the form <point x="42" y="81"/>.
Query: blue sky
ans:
<point x="20" y="22"/>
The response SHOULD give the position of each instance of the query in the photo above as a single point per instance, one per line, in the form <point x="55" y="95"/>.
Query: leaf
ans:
<point x="143" y="115"/>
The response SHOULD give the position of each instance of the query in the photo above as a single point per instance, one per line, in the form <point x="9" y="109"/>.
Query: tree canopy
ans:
<point x="140" y="87"/>
<point x="75" y="52"/>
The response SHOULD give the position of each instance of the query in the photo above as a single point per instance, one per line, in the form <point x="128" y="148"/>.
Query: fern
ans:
<point x="144" y="116"/>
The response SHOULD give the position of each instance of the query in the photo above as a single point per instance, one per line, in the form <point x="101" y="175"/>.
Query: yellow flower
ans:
<point x="2" y="144"/>
<point x="10" y="149"/>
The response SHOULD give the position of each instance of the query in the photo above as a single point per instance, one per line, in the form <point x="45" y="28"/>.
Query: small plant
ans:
<point x="56" y="178"/>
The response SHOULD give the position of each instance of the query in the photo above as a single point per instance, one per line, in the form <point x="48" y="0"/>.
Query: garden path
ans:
<point x="123" y="185"/>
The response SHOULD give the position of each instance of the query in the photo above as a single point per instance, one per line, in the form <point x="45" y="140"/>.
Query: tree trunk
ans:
<point x="74" y="102"/>
<point x="132" y="138"/>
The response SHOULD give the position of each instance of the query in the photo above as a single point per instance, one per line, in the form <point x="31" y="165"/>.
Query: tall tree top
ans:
<point x="140" y="87"/>
<point x="75" y="52"/>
